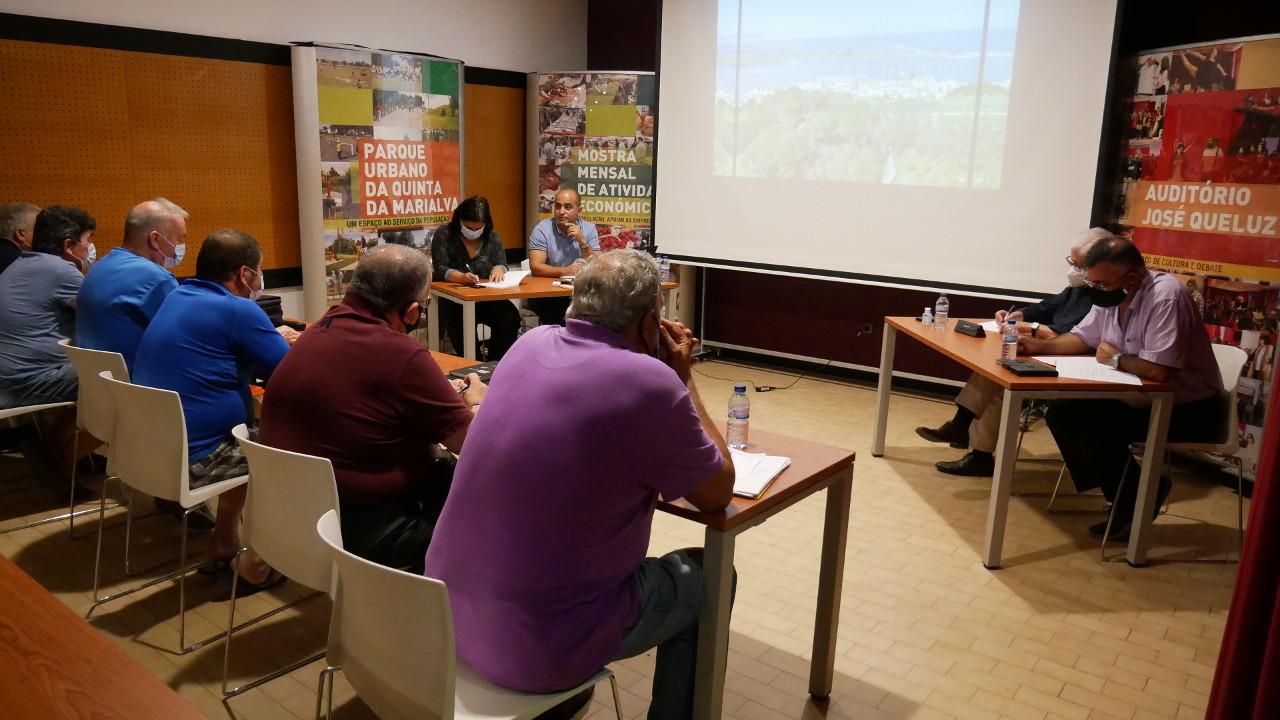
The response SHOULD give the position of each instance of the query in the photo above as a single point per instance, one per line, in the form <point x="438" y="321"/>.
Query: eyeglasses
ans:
<point x="1073" y="264"/>
<point x="1096" y="285"/>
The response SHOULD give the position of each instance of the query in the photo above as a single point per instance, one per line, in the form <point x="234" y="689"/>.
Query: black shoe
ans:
<point x="948" y="433"/>
<point x="1120" y="528"/>
<point x="200" y="519"/>
<point x="975" y="464"/>
<point x="570" y="707"/>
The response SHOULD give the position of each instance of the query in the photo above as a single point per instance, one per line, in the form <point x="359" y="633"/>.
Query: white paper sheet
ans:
<point x="991" y="326"/>
<point x="754" y="471"/>
<point x="1087" y="367"/>
<point x="509" y="280"/>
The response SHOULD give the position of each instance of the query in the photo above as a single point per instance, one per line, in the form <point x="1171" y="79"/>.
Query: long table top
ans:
<point x="54" y="664"/>
<point x="811" y="464"/>
<point x="980" y="355"/>
<point x="529" y="287"/>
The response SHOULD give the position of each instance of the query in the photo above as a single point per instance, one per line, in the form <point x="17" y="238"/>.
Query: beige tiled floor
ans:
<point x="926" y="631"/>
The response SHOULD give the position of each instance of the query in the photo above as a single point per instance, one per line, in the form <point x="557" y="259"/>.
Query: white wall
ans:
<point x="505" y="34"/>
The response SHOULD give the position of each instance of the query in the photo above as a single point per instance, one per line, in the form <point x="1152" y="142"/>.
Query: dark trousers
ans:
<point x="396" y="532"/>
<point x="550" y="311"/>
<point x="1094" y="438"/>
<point x="500" y="315"/>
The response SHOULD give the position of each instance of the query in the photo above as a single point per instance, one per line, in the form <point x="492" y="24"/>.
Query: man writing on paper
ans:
<point x="559" y="246"/>
<point x="379" y="426"/>
<point x="542" y="541"/>
<point x="1153" y="331"/>
<point x="981" y="399"/>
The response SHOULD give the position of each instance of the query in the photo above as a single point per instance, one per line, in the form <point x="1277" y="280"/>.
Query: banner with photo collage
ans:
<point x="390" y="171"/>
<point x="1200" y="195"/>
<point x="595" y="134"/>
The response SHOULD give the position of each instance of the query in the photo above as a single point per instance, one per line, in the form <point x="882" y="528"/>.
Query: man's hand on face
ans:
<point x="572" y="231"/>
<point x="676" y="344"/>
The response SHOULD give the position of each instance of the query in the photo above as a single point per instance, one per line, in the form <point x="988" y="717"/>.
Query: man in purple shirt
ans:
<point x="1152" y="329"/>
<point x="543" y="538"/>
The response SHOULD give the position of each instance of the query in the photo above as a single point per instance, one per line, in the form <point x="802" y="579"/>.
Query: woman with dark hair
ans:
<point x="465" y="250"/>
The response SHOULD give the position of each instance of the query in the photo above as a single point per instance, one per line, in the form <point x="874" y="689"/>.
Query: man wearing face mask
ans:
<point x="128" y="286"/>
<point x="1153" y="330"/>
<point x="17" y="221"/>
<point x="543" y="538"/>
<point x="37" y="309"/>
<point x="207" y="342"/>
<point x="379" y="426"/>
<point x="981" y="399"/>
<point x="559" y="246"/>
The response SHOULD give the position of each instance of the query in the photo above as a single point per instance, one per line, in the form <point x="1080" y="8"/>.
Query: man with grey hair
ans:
<point x="358" y="390"/>
<point x="982" y="399"/>
<point x="127" y="286"/>
<point x="542" y="541"/>
<point x="17" y="222"/>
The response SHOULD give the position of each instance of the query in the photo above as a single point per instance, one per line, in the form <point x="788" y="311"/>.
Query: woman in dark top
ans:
<point x="466" y="250"/>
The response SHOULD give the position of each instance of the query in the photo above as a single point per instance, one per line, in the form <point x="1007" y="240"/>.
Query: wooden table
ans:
<point x="53" y="664"/>
<point x="467" y="296"/>
<point x="979" y="355"/>
<point x="813" y="468"/>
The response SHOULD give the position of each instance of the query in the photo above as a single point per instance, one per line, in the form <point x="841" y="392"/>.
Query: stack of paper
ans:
<point x="754" y="471"/>
<point x="1087" y="367"/>
<point x="510" y="280"/>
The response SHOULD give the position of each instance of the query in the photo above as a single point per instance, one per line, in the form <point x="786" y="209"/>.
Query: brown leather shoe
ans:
<point x="974" y="464"/>
<point x="948" y="433"/>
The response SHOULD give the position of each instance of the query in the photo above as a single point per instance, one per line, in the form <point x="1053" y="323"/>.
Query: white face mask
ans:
<point x="1075" y="278"/>
<point x="93" y="257"/>
<point x="255" y="294"/>
<point x="470" y="234"/>
<point x="179" y="251"/>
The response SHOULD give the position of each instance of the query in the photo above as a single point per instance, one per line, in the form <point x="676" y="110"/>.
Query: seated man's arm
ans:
<point x="714" y="493"/>
<point x="1064" y="344"/>
<point x="1134" y="364"/>
<point x="472" y="397"/>
<point x="539" y="266"/>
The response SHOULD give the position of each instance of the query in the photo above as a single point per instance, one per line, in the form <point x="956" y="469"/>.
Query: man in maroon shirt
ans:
<point x="357" y="390"/>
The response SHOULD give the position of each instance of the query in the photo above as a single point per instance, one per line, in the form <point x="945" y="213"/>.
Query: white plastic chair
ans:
<point x="149" y="450"/>
<point x="392" y="636"/>
<point x="95" y="413"/>
<point x="8" y="413"/>
<point x="288" y="493"/>
<point x="1231" y="360"/>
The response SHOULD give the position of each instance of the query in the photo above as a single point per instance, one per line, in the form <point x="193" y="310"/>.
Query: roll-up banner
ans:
<point x="593" y="132"/>
<point x="1200" y="194"/>
<point x="379" y="138"/>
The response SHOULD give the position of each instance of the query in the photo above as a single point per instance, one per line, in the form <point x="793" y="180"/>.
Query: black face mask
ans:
<point x="1106" y="298"/>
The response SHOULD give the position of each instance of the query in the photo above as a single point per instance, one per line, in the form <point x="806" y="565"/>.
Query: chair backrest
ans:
<point x="392" y="633"/>
<point x="94" y="411"/>
<point x="1231" y="361"/>
<point x="149" y="443"/>
<point x="288" y="493"/>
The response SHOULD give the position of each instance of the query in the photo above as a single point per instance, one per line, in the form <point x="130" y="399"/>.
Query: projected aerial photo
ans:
<point x="906" y="92"/>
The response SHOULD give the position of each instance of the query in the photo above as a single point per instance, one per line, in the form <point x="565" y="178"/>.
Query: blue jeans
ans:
<point x="57" y="384"/>
<point x="670" y="589"/>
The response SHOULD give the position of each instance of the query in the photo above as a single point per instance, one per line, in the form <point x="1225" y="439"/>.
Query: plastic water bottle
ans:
<point x="926" y="317"/>
<point x="739" y="417"/>
<point x="941" y="309"/>
<point x="1009" y="340"/>
<point x="664" y="268"/>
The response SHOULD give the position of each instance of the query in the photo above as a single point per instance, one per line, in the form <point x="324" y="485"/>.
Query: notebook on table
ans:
<point x="484" y="370"/>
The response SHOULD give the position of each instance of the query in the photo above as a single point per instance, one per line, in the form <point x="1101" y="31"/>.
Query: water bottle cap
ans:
<point x="740" y="388"/>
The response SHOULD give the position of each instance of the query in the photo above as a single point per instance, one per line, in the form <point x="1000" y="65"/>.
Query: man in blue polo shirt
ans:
<point x="127" y="287"/>
<point x="208" y="341"/>
<point x="558" y="246"/>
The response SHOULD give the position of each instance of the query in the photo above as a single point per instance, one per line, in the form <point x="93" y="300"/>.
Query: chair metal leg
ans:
<point x="1111" y="514"/>
<point x="617" y="701"/>
<point x="326" y="674"/>
<point x="1239" y="463"/>
<point x="1061" y="472"/>
<point x="232" y="628"/>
